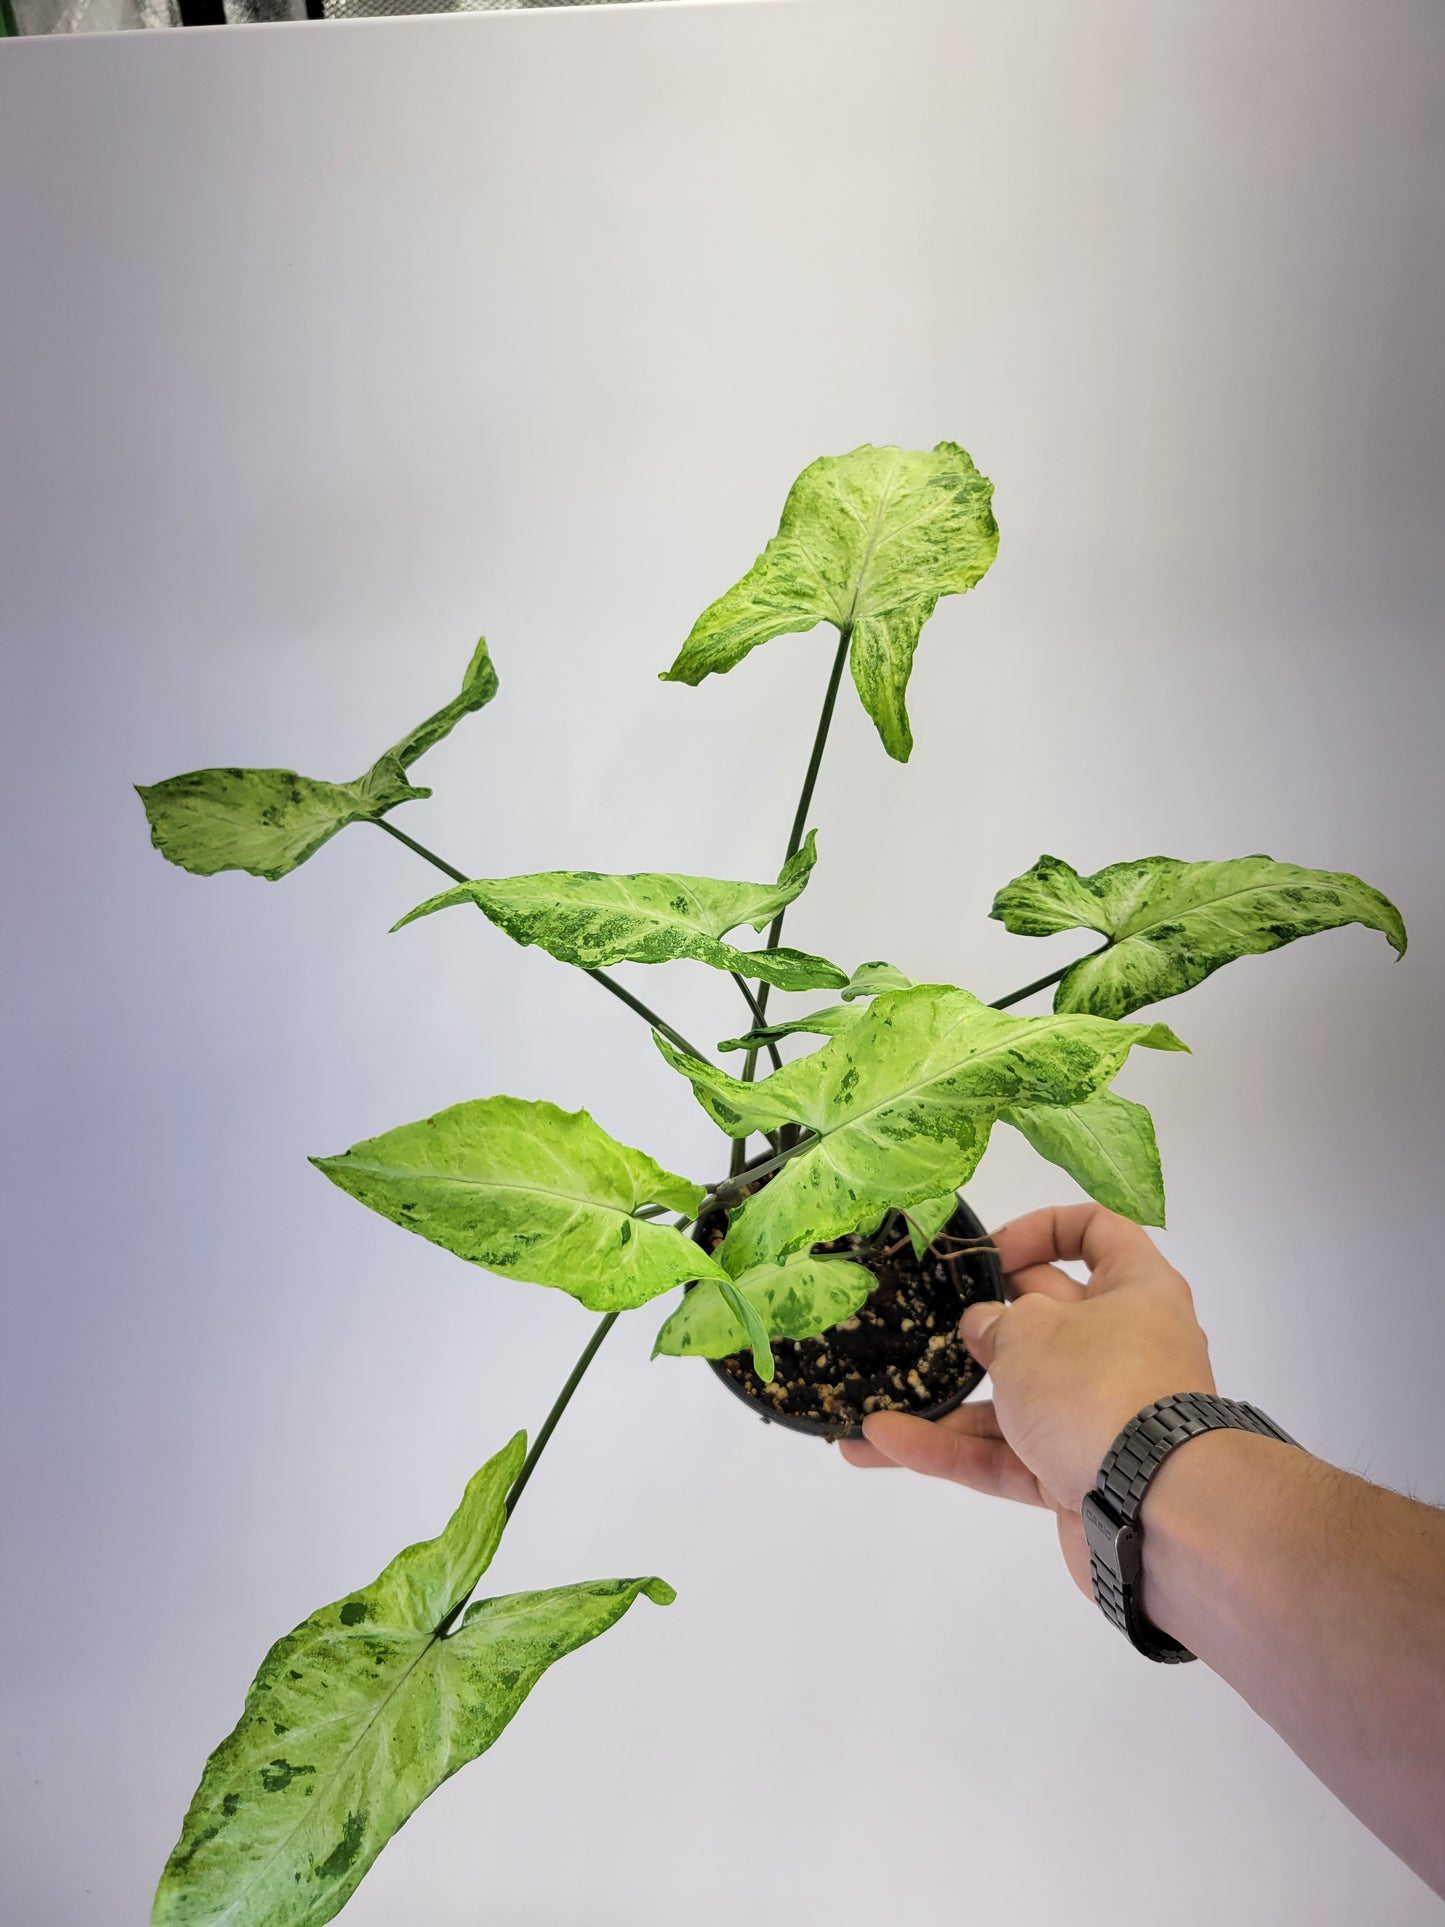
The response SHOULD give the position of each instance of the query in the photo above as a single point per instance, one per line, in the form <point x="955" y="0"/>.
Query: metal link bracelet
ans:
<point x="1111" y="1510"/>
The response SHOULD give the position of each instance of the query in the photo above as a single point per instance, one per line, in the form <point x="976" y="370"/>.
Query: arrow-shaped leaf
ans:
<point x="1169" y="924"/>
<point x="868" y="541"/>
<point x="901" y="1106"/>
<point x="361" y="1713"/>
<point x="268" y="821"/>
<point x="1106" y="1144"/>
<point x="585" y="918"/>
<point x="532" y="1192"/>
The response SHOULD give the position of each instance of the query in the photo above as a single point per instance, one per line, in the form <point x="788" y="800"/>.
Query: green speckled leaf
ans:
<point x="268" y="821"/>
<point x="868" y="980"/>
<point x="479" y="685"/>
<point x="1106" y="1144"/>
<point x="532" y="1192"/>
<point x="361" y="1712"/>
<point x="747" y="1321"/>
<point x="902" y="1104"/>
<point x="872" y="979"/>
<point x="1169" y="924"/>
<point x="819" y="1023"/>
<point x="927" y="1218"/>
<point x="868" y="541"/>
<point x="582" y="917"/>
<point x="737" y="1107"/>
<point x="798" y="1299"/>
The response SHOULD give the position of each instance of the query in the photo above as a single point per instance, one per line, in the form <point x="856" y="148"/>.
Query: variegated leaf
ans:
<point x="868" y="980"/>
<point x="532" y="1192"/>
<point x="927" y="1218"/>
<point x="738" y="1108"/>
<point x="868" y="541"/>
<point x="1106" y="1144"/>
<point x="901" y="1105"/>
<point x="828" y="1022"/>
<point x="585" y="918"/>
<point x="1169" y="924"/>
<point x="797" y="1299"/>
<point x="872" y="979"/>
<point x="268" y="821"/>
<point x="747" y="1321"/>
<point x="361" y="1713"/>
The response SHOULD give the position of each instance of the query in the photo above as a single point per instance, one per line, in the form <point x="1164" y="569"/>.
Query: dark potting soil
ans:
<point x="900" y="1352"/>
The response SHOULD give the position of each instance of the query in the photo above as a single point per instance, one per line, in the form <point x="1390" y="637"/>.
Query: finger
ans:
<point x="982" y="1463"/>
<point x="977" y="1420"/>
<point x="974" y="1420"/>
<point x="865" y="1456"/>
<point x="978" y="1328"/>
<point x="1070" y="1231"/>
<point x="1048" y="1281"/>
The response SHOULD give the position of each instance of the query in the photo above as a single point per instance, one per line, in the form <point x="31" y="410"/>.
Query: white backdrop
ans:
<point x="325" y="350"/>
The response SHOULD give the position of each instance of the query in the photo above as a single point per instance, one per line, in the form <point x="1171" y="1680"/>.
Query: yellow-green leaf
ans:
<point x="361" y="1713"/>
<point x="1106" y="1144"/>
<point x="583" y="917"/>
<point x="797" y="1299"/>
<point x="928" y="1217"/>
<point x="868" y="541"/>
<point x="268" y="821"/>
<point x="901" y="1105"/>
<point x="1169" y="924"/>
<point x="532" y="1192"/>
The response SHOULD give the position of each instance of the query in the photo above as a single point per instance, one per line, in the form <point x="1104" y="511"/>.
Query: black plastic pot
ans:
<point x="985" y="1281"/>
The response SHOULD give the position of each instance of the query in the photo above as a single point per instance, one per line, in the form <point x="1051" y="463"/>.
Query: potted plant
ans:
<point x="821" y="1271"/>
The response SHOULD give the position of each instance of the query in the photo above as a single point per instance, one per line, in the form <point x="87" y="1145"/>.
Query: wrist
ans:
<point x="1215" y="1508"/>
<point x="1112" y="1513"/>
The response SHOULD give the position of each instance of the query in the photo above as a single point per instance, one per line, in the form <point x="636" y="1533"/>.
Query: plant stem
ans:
<point x="815" y="763"/>
<point x="437" y="862"/>
<point x="600" y="976"/>
<point x="759" y="1014"/>
<point x="723" y="1192"/>
<point x="643" y="1010"/>
<point x="800" y="817"/>
<point x="549" y="1424"/>
<point x="1042" y="983"/>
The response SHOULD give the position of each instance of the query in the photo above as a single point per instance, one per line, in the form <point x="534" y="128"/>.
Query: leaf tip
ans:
<point x="659" y="1592"/>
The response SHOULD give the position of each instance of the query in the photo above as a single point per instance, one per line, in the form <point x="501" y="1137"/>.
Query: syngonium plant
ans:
<point x="362" y="1711"/>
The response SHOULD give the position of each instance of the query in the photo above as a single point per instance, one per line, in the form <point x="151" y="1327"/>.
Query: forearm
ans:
<point x="1321" y="1600"/>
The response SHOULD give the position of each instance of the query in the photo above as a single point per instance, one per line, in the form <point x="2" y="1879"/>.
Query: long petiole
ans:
<point x="800" y="816"/>
<point x="1042" y="983"/>
<point x="599" y="976"/>
<point x="559" y="1406"/>
<point x="539" y="1445"/>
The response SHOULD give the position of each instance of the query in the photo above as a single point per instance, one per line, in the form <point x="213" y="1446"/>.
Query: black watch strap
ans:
<point x="1111" y="1510"/>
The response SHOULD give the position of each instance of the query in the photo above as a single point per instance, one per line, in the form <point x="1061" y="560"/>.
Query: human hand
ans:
<point x="1070" y="1365"/>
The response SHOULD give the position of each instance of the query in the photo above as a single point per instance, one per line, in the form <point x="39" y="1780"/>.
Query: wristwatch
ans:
<point x="1111" y="1510"/>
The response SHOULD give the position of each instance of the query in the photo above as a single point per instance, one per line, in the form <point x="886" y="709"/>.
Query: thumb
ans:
<point x="978" y="1329"/>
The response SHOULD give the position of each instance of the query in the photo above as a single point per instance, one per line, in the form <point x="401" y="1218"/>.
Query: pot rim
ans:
<point x="965" y="1222"/>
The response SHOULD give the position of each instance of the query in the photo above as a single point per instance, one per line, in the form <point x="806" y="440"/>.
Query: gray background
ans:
<point x="325" y="350"/>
